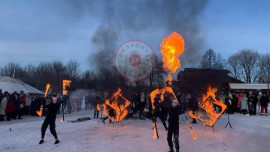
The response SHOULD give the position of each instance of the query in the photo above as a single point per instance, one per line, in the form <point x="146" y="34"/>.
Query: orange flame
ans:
<point x="120" y="109"/>
<point x="155" y="131"/>
<point x="62" y="119"/>
<point x="162" y="92"/>
<point x="208" y="105"/>
<point x="47" y="89"/>
<point x="39" y="112"/>
<point x="66" y="83"/>
<point x="192" y="131"/>
<point x="171" y="48"/>
<point x="152" y="97"/>
<point x="98" y="107"/>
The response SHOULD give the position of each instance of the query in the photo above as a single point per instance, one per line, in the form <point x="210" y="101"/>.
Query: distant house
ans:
<point x="193" y="80"/>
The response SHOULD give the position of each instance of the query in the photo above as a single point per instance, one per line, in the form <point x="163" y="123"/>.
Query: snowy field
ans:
<point x="249" y="134"/>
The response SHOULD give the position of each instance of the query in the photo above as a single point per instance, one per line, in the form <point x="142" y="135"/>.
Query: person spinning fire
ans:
<point x="53" y="108"/>
<point x="160" y="111"/>
<point x="174" y="109"/>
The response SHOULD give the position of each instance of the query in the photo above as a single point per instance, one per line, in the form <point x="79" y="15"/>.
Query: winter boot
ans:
<point x="41" y="141"/>
<point x="56" y="141"/>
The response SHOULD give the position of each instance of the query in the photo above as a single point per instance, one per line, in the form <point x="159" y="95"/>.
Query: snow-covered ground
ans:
<point x="249" y="134"/>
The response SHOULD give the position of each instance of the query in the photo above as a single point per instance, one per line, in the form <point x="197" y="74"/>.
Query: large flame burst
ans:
<point x="66" y="83"/>
<point x="208" y="103"/>
<point x="171" y="48"/>
<point x="120" y="108"/>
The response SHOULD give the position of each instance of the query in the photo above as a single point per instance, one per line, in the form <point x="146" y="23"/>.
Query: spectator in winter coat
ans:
<point x="22" y="104"/>
<point x="264" y="101"/>
<point x="18" y="104"/>
<point x="252" y="102"/>
<point x="229" y="104"/>
<point x="3" y="105"/>
<point x="97" y="103"/>
<point x="244" y="100"/>
<point x="259" y="101"/>
<point x="10" y="109"/>
<point x="28" y="101"/>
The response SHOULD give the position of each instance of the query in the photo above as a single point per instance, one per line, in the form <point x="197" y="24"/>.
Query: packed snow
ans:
<point x="249" y="134"/>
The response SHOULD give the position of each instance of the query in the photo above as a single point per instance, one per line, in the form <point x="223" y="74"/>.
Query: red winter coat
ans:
<point x="10" y="106"/>
<point x="22" y="100"/>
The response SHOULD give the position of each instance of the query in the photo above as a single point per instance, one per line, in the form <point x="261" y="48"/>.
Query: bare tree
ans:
<point x="13" y="70"/>
<point x="264" y="64"/>
<point x="59" y="71"/>
<point x="212" y="60"/>
<point x="248" y="61"/>
<point x="72" y="69"/>
<point x="234" y="66"/>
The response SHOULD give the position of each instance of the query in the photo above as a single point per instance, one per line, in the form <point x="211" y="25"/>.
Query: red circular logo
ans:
<point x="135" y="60"/>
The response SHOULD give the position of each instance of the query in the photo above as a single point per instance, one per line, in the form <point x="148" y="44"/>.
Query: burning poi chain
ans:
<point x="120" y="109"/>
<point x="207" y="104"/>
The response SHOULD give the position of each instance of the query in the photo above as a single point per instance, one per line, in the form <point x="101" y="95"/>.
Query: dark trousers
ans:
<point x="26" y="110"/>
<point x="142" y="105"/>
<point x="254" y="108"/>
<point x="161" y="117"/>
<point x="19" y="113"/>
<point x="96" y="113"/>
<point x="244" y="111"/>
<point x="173" y="131"/>
<point x="44" y="127"/>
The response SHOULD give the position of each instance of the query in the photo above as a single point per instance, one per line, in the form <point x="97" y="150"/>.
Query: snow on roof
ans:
<point x="249" y="86"/>
<point x="10" y="85"/>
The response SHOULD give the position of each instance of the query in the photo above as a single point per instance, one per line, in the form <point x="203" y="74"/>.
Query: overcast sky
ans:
<point x="47" y="30"/>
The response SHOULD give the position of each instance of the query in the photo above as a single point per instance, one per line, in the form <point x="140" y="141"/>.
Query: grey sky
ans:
<point x="47" y="30"/>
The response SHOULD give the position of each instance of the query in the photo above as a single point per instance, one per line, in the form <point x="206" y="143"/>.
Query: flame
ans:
<point x="171" y="48"/>
<point x="192" y="131"/>
<point x="47" y="89"/>
<point x="162" y="92"/>
<point x="66" y="83"/>
<point x="120" y="109"/>
<point x="39" y="112"/>
<point x="62" y="119"/>
<point x="152" y="97"/>
<point x="98" y="107"/>
<point x="208" y="102"/>
<point x="155" y="131"/>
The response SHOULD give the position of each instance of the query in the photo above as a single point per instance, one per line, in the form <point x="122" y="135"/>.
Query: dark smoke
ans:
<point x="120" y="17"/>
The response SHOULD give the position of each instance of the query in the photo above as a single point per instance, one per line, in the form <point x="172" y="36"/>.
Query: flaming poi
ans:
<point x="208" y="103"/>
<point x="120" y="107"/>
<point x="47" y="89"/>
<point x="66" y="83"/>
<point x="98" y="107"/>
<point x="39" y="112"/>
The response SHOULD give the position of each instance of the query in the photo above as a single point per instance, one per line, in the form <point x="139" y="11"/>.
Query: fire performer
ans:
<point x="173" y="122"/>
<point x="193" y="104"/>
<point x="50" y="120"/>
<point x="160" y="111"/>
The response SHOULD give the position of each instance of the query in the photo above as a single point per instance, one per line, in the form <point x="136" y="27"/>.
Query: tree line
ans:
<point x="246" y="65"/>
<point x="105" y="78"/>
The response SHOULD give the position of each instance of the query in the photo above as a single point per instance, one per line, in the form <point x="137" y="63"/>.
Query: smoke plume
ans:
<point x="145" y="16"/>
